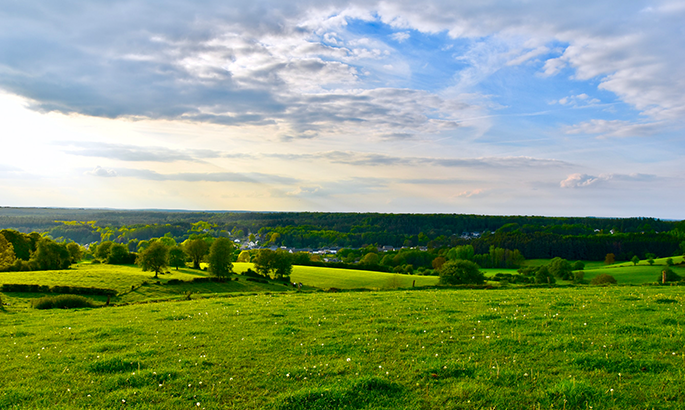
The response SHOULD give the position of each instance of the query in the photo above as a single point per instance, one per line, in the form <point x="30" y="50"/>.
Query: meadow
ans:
<point x="573" y="348"/>
<point x="372" y="342"/>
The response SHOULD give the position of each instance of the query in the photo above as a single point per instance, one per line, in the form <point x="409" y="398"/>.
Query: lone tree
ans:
<point x="460" y="272"/>
<point x="635" y="260"/>
<point x="154" y="258"/>
<point x="220" y="257"/>
<point x="177" y="257"/>
<point x="196" y="250"/>
<point x="610" y="258"/>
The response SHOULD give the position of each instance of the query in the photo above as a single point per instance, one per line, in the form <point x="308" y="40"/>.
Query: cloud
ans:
<point x="101" y="172"/>
<point x="584" y="180"/>
<point x="469" y="194"/>
<point x="262" y="63"/>
<point x="400" y="36"/>
<point x="135" y="153"/>
<point x="145" y="174"/>
<point x="580" y="100"/>
<point x="370" y="159"/>
<point x="616" y="128"/>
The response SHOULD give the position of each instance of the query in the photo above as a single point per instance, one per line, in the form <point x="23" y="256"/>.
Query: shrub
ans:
<point x="174" y="282"/>
<point x="670" y="276"/>
<point x="62" y="301"/>
<point x="460" y="272"/>
<point x="603" y="279"/>
<point x="578" y="276"/>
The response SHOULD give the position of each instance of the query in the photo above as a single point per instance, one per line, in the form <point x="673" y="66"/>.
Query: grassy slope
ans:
<point x="627" y="273"/>
<point x="608" y="348"/>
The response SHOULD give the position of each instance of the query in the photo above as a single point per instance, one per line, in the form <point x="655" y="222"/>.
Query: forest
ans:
<point x="535" y="237"/>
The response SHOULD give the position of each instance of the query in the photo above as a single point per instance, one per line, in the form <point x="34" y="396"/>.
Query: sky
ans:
<point x="482" y="107"/>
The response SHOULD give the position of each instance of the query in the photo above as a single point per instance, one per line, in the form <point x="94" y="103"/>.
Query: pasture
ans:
<point x="573" y="348"/>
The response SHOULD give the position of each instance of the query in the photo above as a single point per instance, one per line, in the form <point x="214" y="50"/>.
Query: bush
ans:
<point x="603" y="279"/>
<point x="460" y="272"/>
<point x="670" y="276"/>
<point x="62" y="302"/>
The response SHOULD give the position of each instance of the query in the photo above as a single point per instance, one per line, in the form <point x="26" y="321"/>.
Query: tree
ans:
<point x="51" y="255"/>
<point x="438" y="262"/>
<point x="370" y="258"/>
<point x="102" y="251"/>
<point x="543" y="275"/>
<point x="75" y="251"/>
<point x="7" y="256"/>
<point x="278" y="263"/>
<point x="669" y="262"/>
<point x="196" y="250"/>
<point x="578" y="265"/>
<point x="635" y="260"/>
<point x="650" y="261"/>
<point x="609" y="259"/>
<point x="154" y="258"/>
<point x="220" y="257"/>
<point x="177" y="257"/>
<point x="118" y="254"/>
<point x="244" y="256"/>
<point x="561" y="268"/>
<point x="460" y="272"/>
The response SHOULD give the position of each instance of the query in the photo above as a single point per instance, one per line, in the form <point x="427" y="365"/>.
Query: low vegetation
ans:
<point x="574" y="348"/>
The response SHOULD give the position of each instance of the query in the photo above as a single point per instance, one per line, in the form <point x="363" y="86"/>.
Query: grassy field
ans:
<point x="572" y="348"/>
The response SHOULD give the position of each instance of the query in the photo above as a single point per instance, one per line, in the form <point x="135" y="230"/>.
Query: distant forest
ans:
<point x="535" y="237"/>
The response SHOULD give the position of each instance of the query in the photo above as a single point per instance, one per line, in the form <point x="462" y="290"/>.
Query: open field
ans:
<point x="608" y="348"/>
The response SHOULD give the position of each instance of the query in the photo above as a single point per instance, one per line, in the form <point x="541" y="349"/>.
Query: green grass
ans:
<point x="573" y="348"/>
<point x="350" y="278"/>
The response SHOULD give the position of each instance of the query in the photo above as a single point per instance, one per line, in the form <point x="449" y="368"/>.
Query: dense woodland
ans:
<point x="534" y="237"/>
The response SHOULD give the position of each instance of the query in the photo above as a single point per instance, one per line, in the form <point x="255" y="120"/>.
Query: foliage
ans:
<point x="578" y="265"/>
<point x="370" y="258"/>
<point x="669" y="275"/>
<point x="177" y="257"/>
<point x="62" y="302"/>
<point x="277" y="263"/>
<point x="75" y="251"/>
<point x="155" y="258"/>
<point x="119" y="255"/>
<point x="603" y="279"/>
<point x="609" y="259"/>
<point x="50" y="255"/>
<point x="560" y="268"/>
<point x="460" y="272"/>
<point x="543" y="275"/>
<point x="196" y="250"/>
<point x="669" y="262"/>
<point x="221" y="257"/>
<point x="7" y="256"/>
<point x="102" y="250"/>
<point x="635" y="260"/>
<point x="244" y="256"/>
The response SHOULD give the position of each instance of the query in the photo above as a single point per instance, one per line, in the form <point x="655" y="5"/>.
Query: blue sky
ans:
<point x="497" y="107"/>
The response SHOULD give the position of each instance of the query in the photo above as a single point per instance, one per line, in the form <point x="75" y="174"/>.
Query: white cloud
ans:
<point x="400" y="36"/>
<point x="101" y="172"/>
<point x="584" y="180"/>
<point x="615" y="128"/>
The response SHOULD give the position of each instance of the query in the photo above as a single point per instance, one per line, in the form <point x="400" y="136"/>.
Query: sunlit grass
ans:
<point x="615" y="347"/>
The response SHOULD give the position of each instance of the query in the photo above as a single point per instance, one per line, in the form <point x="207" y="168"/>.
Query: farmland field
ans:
<point x="573" y="348"/>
